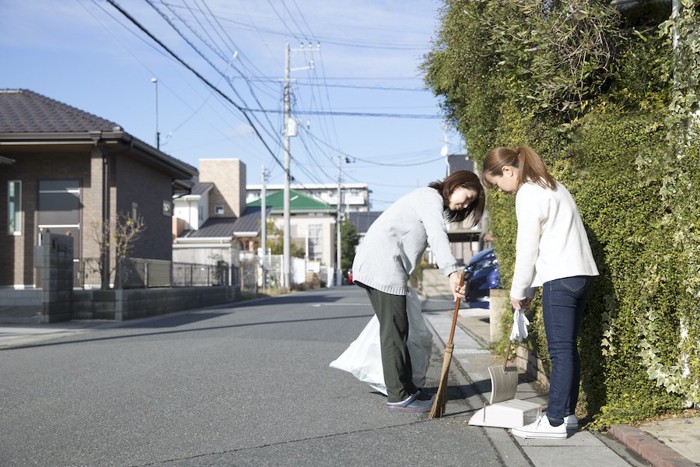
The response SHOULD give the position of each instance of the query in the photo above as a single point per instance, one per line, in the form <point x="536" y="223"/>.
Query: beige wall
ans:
<point x="300" y="227"/>
<point x="229" y="178"/>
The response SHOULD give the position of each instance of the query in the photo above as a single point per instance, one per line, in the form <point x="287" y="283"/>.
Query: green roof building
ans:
<point x="299" y="203"/>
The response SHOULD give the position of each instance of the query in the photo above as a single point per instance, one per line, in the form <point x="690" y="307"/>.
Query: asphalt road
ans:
<point x="247" y="384"/>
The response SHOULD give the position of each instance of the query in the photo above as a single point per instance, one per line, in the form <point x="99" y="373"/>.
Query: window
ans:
<point x="14" y="207"/>
<point x="219" y="210"/>
<point x="315" y="243"/>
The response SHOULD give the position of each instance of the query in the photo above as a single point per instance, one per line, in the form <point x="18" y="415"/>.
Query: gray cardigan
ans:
<point x="396" y="241"/>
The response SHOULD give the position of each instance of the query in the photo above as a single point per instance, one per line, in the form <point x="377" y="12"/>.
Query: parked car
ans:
<point x="481" y="275"/>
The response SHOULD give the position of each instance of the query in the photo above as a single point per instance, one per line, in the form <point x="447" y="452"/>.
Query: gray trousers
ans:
<point x="393" y="334"/>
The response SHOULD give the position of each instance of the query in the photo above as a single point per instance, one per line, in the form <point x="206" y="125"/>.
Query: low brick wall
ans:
<point x="28" y="307"/>
<point x="121" y="305"/>
<point x="22" y="306"/>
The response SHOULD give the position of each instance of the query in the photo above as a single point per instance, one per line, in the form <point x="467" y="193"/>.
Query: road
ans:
<point x="246" y="384"/>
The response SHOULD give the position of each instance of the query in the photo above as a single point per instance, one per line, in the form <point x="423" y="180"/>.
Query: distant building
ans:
<point x="362" y="221"/>
<point x="456" y="162"/>
<point x="355" y="195"/>
<point x="312" y="223"/>
<point x="212" y="222"/>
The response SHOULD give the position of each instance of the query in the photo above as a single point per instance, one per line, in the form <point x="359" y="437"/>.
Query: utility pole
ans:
<point x="263" y="228"/>
<point x="338" y="269"/>
<point x="286" y="247"/>
<point x="290" y="129"/>
<point x="155" y="83"/>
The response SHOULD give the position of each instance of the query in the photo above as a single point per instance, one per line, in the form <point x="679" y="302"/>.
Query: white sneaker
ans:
<point x="541" y="429"/>
<point x="571" y="422"/>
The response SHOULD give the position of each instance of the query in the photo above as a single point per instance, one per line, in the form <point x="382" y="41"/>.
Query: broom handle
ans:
<point x="456" y="312"/>
<point x="505" y="360"/>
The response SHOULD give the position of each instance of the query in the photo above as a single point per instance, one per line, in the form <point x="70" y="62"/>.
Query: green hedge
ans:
<point x="616" y="127"/>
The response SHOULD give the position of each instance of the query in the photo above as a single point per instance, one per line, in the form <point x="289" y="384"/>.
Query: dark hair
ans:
<point x="462" y="179"/>
<point x="525" y="158"/>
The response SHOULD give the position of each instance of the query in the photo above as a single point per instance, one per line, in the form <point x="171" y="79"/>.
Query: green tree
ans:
<point x="349" y="242"/>
<point x="275" y="242"/>
<point x="612" y="106"/>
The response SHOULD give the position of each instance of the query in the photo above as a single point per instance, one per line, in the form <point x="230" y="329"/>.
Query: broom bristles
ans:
<point x="437" y="410"/>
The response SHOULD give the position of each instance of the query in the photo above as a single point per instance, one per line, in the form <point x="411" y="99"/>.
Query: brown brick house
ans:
<point x="65" y="170"/>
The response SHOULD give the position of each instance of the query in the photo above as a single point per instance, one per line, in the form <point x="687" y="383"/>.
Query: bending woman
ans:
<point x="389" y="253"/>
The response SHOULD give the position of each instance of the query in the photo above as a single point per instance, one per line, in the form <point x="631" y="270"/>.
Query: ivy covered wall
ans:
<point x="611" y="104"/>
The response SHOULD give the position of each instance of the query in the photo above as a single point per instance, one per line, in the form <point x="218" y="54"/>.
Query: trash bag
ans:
<point x="363" y="358"/>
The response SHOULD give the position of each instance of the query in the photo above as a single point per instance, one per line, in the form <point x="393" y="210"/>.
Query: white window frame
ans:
<point x="314" y="242"/>
<point x="14" y="207"/>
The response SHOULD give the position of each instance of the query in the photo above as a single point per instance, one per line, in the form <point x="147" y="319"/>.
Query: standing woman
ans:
<point x="389" y="253"/>
<point x="552" y="251"/>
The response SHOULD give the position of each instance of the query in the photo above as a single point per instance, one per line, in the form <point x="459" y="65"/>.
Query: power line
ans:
<point x="198" y="75"/>
<point x="221" y="54"/>
<point x="349" y="114"/>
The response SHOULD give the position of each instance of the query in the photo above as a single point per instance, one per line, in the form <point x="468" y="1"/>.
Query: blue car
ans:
<point x="481" y="275"/>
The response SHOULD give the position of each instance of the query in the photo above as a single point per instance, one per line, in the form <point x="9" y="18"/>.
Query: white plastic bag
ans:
<point x="363" y="358"/>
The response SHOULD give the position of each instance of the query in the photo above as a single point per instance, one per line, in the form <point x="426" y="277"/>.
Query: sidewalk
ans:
<point x="668" y="443"/>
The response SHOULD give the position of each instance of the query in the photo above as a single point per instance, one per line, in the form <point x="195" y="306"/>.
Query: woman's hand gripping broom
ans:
<point x="438" y="408"/>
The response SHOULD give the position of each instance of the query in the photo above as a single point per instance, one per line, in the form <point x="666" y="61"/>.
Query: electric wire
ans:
<point x="198" y="75"/>
<point x="222" y="56"/>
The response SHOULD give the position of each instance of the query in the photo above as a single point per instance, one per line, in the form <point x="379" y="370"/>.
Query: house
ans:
<point x="212" y="222"/>
<point x="362" y="220"/>
<point x="355" y="195"/>
<point x="312" y="228"/>
<point x="67" y="171"/>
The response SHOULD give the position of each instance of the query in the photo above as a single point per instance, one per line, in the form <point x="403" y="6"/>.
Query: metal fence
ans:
<point x="137" y="273"/>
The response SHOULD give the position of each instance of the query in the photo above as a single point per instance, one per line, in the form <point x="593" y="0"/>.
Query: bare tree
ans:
<point x="119" y="238"/>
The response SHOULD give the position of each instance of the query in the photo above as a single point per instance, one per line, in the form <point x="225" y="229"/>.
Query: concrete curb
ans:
<point x="648" y="447"/>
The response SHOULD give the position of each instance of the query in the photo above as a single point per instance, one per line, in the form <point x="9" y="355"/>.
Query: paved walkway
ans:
<point x="668" y="443"/>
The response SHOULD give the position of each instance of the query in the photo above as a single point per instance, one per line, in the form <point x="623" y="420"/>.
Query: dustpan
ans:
<point x="514" y="413"/>
<point x="504" y="411"/>
<point x="504" y="380"/>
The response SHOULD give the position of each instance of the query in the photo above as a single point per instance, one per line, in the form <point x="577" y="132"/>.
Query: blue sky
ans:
<point x="87" y="54"/>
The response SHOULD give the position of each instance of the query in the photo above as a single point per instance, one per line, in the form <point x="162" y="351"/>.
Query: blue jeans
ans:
<point x="563" y="303"/>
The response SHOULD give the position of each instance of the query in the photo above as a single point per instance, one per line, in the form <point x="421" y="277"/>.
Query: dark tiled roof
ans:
<point x="27" y="115"/>
<point x="200" y="188"/>
<point x="215" y="227"/>
<point x="298" y="202"/>
<point x="249" y="222"/>
<point x="227" y="227"/>
<point x="24" y="111"/>
<point x="362" y="220"/>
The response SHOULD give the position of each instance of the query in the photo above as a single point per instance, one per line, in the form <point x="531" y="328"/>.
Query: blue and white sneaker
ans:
<point x="410" y="404"/>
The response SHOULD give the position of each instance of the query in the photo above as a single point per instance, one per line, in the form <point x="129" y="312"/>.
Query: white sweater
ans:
<point x="395" y="242"/>
<point x="552" y="242"/>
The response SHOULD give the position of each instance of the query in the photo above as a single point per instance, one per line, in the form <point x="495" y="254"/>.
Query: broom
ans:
<point x="438" y="408"/>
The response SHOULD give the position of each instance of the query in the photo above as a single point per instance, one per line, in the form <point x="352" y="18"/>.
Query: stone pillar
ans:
<point x="499" y="303"/>
<point x="54" y="259"/>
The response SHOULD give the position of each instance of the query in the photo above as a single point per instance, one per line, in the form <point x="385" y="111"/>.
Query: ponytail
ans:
<point x="532" y="169"/>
